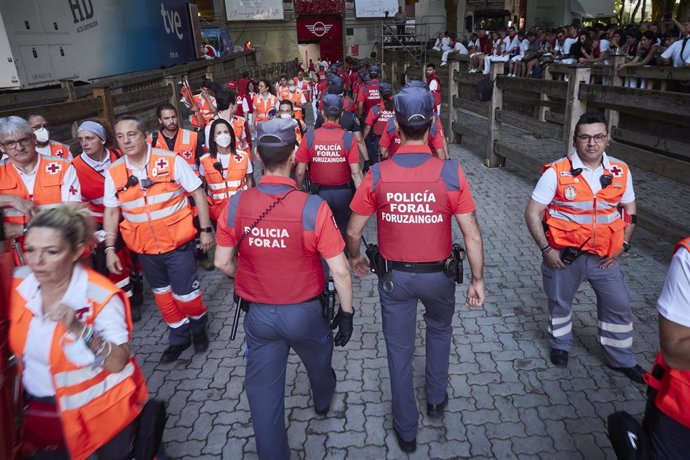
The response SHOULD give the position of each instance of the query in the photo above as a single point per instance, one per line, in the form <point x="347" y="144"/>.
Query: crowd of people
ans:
<point x="288" y="204"/>
<point x="526" y="53"/>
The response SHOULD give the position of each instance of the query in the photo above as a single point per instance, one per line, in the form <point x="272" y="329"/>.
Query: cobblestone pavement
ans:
<point x="506" y="400"/>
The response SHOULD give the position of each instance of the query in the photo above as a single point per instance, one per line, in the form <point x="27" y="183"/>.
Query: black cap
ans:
<point x="332" y="104"/>
<point x="278" y="132"/>
<point x="414" y="106"/>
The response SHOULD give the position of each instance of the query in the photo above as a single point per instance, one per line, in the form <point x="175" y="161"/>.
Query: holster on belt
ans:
<point x="454" y="264"/>
<point x="377" y="264"/>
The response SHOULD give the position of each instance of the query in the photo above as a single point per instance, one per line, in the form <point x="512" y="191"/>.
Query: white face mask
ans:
<point x="42" y="135"/>
<point x="285" y="115"/>
<point x="223" y="139"/>
<point x="292" y="88"/>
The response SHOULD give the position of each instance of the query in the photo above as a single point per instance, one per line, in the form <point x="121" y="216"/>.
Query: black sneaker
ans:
<point x="406" y="446"/>
<point x="200" y="340"/>
<point x="135" y="310"/>
<point x="436" y="410"/>
<point x="559" y="358"/>
<point x="173" y="352"/>
<point x="324" y="411"/>
<point x="634" y="373"/>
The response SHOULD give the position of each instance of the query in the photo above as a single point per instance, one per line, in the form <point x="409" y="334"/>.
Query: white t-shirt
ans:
<point x="182" y="174"/>
<point x="224" y="159"/>
<point x="70" y="189"/>
<point x="511" y="43"/>
<point x="545" y="191"/>
<point x="110" y="325"/>
<point x="674" y="301"/>
<point x="433" y="86"/>
<point x="99" y="166"/>
<point x="460" y="48"/>
<point x="673" y="52"/>
<point x="565" y="49"/>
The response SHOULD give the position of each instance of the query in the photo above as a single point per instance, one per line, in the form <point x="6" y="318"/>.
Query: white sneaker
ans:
<point x="444" y="63"/>
<point x="473" y="70"/>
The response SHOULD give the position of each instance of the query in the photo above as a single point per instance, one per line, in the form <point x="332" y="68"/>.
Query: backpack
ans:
<point x="485" y="89"/>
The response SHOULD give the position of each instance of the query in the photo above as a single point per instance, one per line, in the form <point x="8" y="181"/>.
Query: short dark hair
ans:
<point x="414" y="133"/>
<point x="590" y="118"/>
<point x="212" y="146"/>
<point x="224" y="99"/>
<point x="432" y="65"/>
<point x="273" y="157"/>
<point x="141" y="126"/>
<point x="286" y="102"/>
<point x="165" y="106"/>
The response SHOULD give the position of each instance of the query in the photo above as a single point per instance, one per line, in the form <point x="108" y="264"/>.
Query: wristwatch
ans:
<point x="626" y="246"/>
<point x="206" y="229"/>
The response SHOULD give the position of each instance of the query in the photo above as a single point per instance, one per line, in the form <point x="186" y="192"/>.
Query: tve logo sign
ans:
<point x="172" y="22"/>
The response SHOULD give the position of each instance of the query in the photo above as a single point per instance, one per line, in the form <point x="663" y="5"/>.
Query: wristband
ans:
<point x="109" y="247"/>
<point x="206" y="229"/>
<point x="546" y="249"/>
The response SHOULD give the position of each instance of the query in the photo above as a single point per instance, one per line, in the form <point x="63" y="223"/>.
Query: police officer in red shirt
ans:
<point x="332" y="156"/>
<point x="415" y="196"/>
<point x="280" y="236"/>
<point x="369" y="95"/>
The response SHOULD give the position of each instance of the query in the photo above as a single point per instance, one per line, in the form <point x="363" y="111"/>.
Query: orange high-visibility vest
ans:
<point x="94" y="404"/>
<point x="185" y="146"/>
<point x="157" y="219"/>
<point x="47" y="191"/>
<point x="683" y="244"/>
<point x="222" y="186"/>
<point x="578" y="218"/>
<point x="93" y="183"/>
<point x="262" y="107"/>
<point x="204" y="107"/>
<point x="239" y="129"/>
<point x="58" y="149"/>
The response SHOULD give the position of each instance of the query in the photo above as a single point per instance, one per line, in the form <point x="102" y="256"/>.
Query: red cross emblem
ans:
<point x="617" y="171"/>
<point x="187" y="154"/>
<point x="72" y="190"/>
<point x="60" y="154"/>
<point x="53" y="168"/>
<point x="83" y="313"/>
<point x="162" y="164"/>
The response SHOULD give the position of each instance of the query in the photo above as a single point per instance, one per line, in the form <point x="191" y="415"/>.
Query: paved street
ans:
<point x="506" y="400"/>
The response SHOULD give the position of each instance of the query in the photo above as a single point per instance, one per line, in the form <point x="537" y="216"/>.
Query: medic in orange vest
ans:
<point x="176" y="139"/>
<point x="204" y="103"/>
<point x="44" y="144"/>
<point x="148" y="187"/>
<point x="582" y="216"/>
<point x="30" y="181"/>
<point x="226" y="111"/>
<point x="286" y="111"/>
<point x="242" y="110"/>
<point x="296" y="97"/>
<point x="225" y="169"/>
<point x="71" y="330"/>
<point x="265" y="103"/>
<point x="91" y="166"/>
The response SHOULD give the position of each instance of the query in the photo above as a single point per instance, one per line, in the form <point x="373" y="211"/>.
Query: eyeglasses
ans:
<point x="597" y="138"/>
<point x="24" y="141"/>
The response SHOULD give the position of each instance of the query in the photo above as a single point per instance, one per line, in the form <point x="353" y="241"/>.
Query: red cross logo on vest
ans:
<point x="60" y="154"/>
<point x="53" y="168"/>
<point x="187" y="155"/>
<point x="616" y="171"/>
<point x="72" y="190"/>
<point x="162" y="164"/>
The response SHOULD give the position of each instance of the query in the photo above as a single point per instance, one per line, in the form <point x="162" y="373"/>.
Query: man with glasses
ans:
<point x="582" y="216"/>
<point x="147" y="188"/>
<point x="30" y="181"/>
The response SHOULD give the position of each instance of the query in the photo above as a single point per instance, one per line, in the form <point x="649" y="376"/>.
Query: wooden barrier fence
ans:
<point x="648" y="127"/>
<point x="131" y="94"/>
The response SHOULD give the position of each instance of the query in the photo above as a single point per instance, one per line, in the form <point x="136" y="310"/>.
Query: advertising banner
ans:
<point x="326" y="29"/>
<point x="375" y="8"/>
<point x="254" y="10"/>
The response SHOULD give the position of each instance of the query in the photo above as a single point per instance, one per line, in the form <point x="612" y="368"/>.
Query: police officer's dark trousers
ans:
<point x="338" y="199"/>
<point x="399" y="314"/>
<point x="271" y="331"/>
<point x="615" y="321"/>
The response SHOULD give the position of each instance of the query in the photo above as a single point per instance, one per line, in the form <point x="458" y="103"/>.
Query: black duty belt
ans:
<point x="335" y="187"/>
<point x="419" y="267"/>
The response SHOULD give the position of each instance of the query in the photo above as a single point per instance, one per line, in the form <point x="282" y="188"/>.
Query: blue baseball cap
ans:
<point x="334" y="79"/>
<point x="417" y="84"/>
<point x="385" y="87"/>
<point x="278" y="132"/>
<point x="332" y="104"/>
<point x="414" y="106"/>
<point x="374" y="69"/>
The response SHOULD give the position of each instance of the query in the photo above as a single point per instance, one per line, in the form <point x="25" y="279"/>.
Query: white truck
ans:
<point x="549" y="14"/>
<point x="45" y="41"/>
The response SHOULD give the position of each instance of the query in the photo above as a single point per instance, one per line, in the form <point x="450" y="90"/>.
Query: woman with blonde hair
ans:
<point x="71" y="328"/>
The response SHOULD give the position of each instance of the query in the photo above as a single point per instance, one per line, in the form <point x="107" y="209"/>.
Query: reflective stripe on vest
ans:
<point x="155" y="215"/>
<point x="81" y="399"/>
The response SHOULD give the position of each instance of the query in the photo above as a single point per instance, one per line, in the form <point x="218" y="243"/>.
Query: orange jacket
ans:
<point x="92" y="184"/>
<point x="205" y="109"/>
<point x="222" y="186"/>
<point x="262" y="107"/>
<point x="185" y="145"/>
<point x="94" y="404"/>
<point x="157" y="219"/>
<point x="58" y="149"/>
<point x="239" y="129"/>
<point x="47" y="192"/>
<point x="578" y="218"/>
<point x="295" y="98"/>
